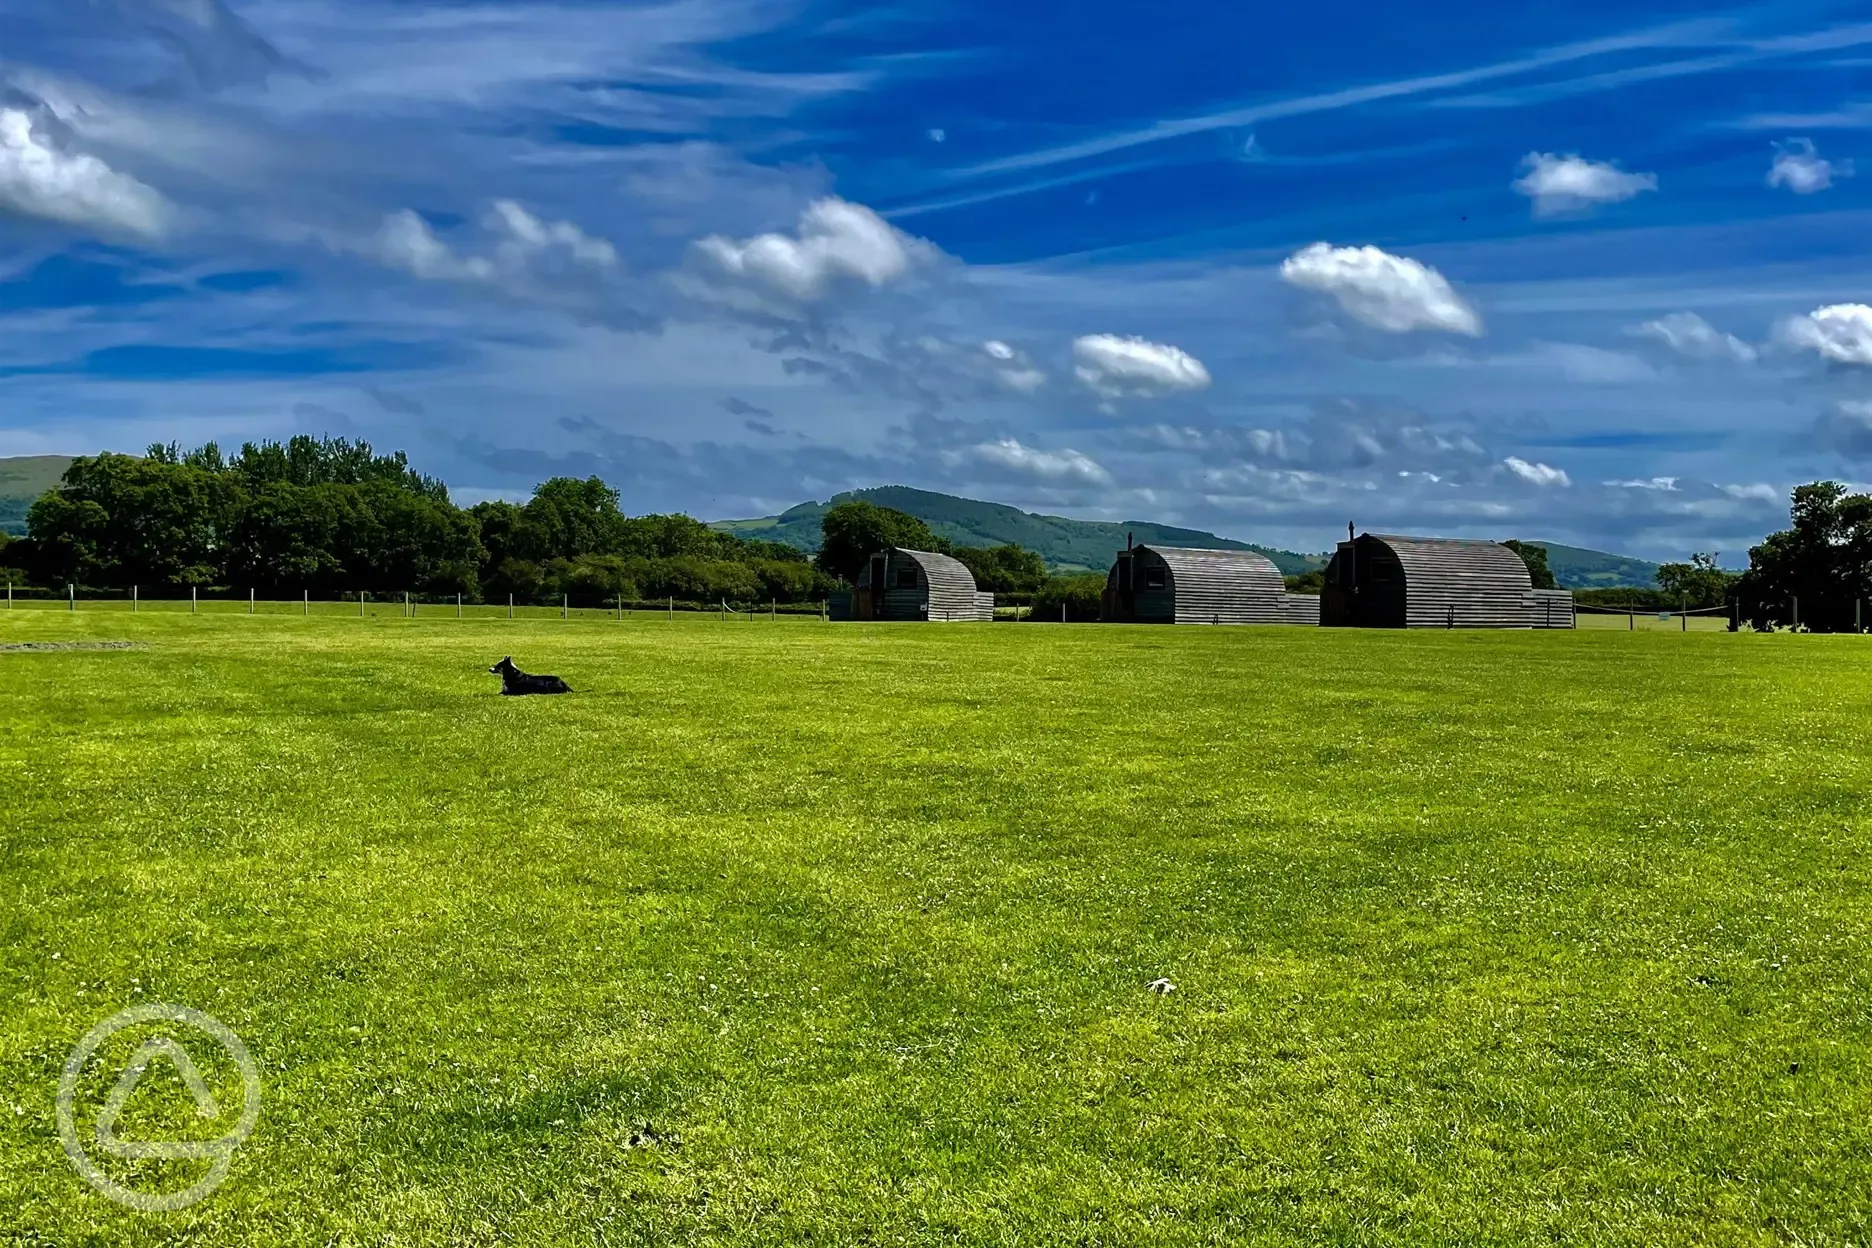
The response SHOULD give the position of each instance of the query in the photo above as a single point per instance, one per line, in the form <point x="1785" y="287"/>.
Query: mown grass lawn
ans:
<point x="784" y="932"/>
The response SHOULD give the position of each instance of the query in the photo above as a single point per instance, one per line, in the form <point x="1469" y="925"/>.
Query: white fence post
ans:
<point x="71" y="592"/>
<point x="250" y="600"/>
<point x="133" y="599"/>
<point x="458" y="604"/>
<point x="192" y="595"/>
<point x="308" y="601"/>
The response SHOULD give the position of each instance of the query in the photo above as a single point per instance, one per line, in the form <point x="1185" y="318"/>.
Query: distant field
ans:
<point x="787" y="932"/>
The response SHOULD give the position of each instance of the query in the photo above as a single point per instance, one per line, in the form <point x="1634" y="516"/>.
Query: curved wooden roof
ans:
<point x="1233" y="586"/>
<point x="941" y="570"/>
<point x="1485" y="583"/>
<point x="952" y="594"/>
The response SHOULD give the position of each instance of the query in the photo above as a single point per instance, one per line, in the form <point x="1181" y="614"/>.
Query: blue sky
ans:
<point x="1596" y="273"/>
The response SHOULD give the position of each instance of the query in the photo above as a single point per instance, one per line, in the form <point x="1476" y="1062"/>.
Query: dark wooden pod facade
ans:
<point x="1385" y="581"/>
<point x="898" y="584"/>
<point x="1172" y="585"/>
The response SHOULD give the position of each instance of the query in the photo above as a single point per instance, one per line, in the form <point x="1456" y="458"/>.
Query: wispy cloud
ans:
<point x="1671" y="36"/>
<point x="1691" y="336"/>
<point x="1800" y="168"/>
<point x="40" y="179"/>
<point x="1537" y="474"/>
<point x="1011" y="455"/>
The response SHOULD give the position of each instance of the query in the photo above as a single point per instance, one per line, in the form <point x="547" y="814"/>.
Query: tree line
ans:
<point x="330" y="516"/>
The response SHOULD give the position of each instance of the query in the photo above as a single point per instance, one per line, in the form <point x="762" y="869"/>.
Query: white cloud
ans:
<point x="530" y="237"/>
<point x="1570" y="183"/>
<point x="1118" y="367"/>
<point x="1666" y="484"/>
<point x="1012" y="368"/>
<point x="1688" y="334"/>
<point x="404" y="241"/>
<point x="1840" y="332"/>
<point x="527" y="247"/>
<point x="1539" y="474"/>
<point x="1392" y="293"/>
<point x="39" y="180"/>
<point x="1757" y="492"/>
<point x="1799" y="167"/>
<point x="836" y="241"/>
<point x="937" y="134"/>
<point x="1067" y="467"/>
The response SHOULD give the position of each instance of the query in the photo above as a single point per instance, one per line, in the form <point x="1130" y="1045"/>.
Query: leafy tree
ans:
<point x="567" y="518"/>
<point x="304" y="460"/>
<point x="1625" y="596"/>
<point x="120" y="520"/>
<point x="591" y="576"/>
<point x="703" y="580"/>
<point x="666" y="537"/>
<point x="1083" y="597"/>
<point x="1007" y="569"/>
<point x="287" y="536"/>
<point x="327" y="515"/>
<point x="1536" y="559"/>
<point x="789" y="580"/>
<point x="1313" y="582"/>
<point x="15" y="556"/>
<point x="521" y="579"/>
<point x="496" y="522"/>
<point x="1824" y="560"/>
<point x="853" y="531"/>
<point x="1697" y="584"/>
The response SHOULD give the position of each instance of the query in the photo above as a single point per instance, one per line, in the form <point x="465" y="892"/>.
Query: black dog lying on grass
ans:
<point x="515" y="682"/>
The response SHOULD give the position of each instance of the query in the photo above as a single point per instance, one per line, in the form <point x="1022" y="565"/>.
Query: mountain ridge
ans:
<point x="1067" y="545"/>
<point x="1088" y="545"/>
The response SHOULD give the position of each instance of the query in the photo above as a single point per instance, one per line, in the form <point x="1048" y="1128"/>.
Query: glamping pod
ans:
<point x="1380" y="580"/>
<point x="1172" y="585"/>
<point x="898" y="584"/>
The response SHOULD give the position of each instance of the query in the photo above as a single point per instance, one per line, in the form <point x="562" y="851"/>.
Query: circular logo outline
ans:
<point x="220" y="1152"/>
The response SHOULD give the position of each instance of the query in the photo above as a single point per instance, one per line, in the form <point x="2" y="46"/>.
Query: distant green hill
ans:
<point x="1575" y="568"/>
<point x="1066" y="545"/>
<point x="24" y="478"/>
<point x="1070" y="545"/>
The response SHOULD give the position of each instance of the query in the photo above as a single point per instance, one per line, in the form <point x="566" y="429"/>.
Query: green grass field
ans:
<point x="783" y="932"/>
